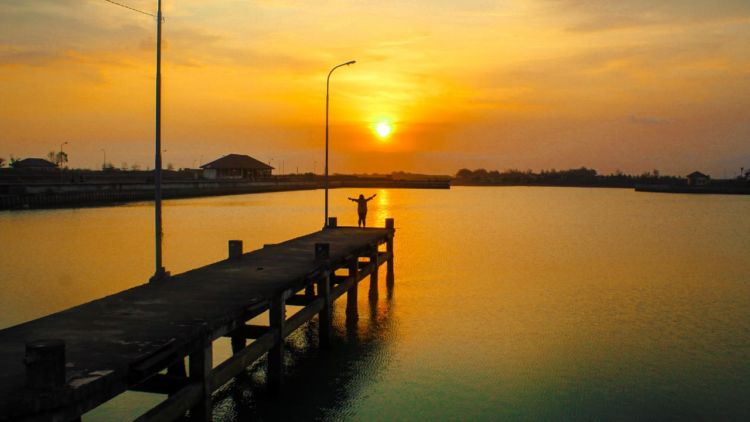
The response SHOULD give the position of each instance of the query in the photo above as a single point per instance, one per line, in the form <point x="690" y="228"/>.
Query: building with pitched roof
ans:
<point x="34" y="164"/>
<point x="236" y="166"/>
<point x="697" y="178"/>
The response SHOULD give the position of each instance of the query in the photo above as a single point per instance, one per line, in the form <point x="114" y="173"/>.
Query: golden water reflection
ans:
<point x="531" y="303"/>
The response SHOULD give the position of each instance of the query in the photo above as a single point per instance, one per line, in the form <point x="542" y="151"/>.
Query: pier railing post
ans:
<point x="333" y="222"/>
<point x="322" y="253"/>
<point x="201" y="364"/>
<point x="277" y="317"/>
<point x="389" y="277"/>
<point x="45" y="363"/>
<point x="351" y="294"/>
<point x="235" y="249"/>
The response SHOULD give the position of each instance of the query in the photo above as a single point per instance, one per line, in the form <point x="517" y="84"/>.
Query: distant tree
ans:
<point x="655" y="173"/>
<point x="124" y="166"/>
<point x="170" y="166"/>
<point x="464" y="174"/>
<point x="58" y="157"/>
<point x="13" y="161"/>
<point x="2" y="162"/>
<point x="135" y="167"/>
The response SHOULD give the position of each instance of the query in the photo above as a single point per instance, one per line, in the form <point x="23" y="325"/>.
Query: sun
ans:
<point x="383" y="129"/>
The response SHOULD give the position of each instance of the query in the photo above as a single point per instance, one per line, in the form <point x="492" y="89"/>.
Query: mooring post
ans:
<point x="276" y="317"/>
<point x="333" y="222"/>
<point x="322" y="254"/>
<point x="374" y="274"/>
<point x="45" y="363"/>
<point x="235" y="249"/>
<point x="389" y="278"/>
<point x="351" y="294"/>
<point x="201" y="364"/>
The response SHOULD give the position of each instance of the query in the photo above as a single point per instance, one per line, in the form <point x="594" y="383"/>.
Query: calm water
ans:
<point x="510" y="303"/>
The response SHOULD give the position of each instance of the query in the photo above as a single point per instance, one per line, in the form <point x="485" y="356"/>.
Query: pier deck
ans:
<point x="126" y="341"/>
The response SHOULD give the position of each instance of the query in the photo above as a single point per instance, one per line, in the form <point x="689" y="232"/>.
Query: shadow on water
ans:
<point x="319" y="384"/>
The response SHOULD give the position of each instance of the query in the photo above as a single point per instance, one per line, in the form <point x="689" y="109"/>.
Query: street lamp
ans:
<point x="160" y="272"/>
<point x="60" y="160"/>
<point x="328" y="82"/>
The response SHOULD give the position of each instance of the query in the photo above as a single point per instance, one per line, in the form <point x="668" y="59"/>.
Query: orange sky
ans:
<point x="495" y="84"/>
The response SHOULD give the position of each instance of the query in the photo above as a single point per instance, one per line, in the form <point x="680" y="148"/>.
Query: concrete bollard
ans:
<point x="235" y="249"/>
<point x="45" y="363"/>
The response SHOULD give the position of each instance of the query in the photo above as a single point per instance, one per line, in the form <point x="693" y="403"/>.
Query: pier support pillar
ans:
<point x="238" y="343"/>
<point x="177" y="369"/>
<point x="201" y="364"/>
<point x="389" y="277"/>
<point x="45" y="363"/>
<point x="310" y="291"/>
<point x="277" y="317"/>
<point x="351" y="294"/>
<point x="374" y="274"/>
<point x="322" y="253"/>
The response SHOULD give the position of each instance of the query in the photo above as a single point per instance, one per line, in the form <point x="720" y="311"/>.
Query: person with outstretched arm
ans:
<point x="362" y="208"/>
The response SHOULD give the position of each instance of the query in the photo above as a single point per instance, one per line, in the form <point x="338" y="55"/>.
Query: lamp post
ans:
<point x="159" y="273"/>
<point x="328" y="83"/>
<point x="60" y="160"/>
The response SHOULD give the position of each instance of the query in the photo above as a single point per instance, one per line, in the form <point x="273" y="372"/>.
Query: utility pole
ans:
<point x="160" y="273"/>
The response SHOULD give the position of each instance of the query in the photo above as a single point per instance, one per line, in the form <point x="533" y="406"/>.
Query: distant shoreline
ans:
<point x="23" y="196"/>
<point x="699" y="190"/>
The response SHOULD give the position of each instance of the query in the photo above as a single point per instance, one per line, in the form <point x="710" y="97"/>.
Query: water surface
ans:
<point x="510" y="302"/>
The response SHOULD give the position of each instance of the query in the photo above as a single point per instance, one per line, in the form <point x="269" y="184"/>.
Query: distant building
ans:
<point x="34" y="164"/>
<point x="236" y="166"/>
<point x="697" y="178"/>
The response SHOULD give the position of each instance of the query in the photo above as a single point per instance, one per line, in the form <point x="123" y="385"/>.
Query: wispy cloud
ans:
<point x="648" y="120"/>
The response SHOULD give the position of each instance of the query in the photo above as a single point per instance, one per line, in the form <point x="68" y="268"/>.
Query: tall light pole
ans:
<point x="60" y="160"/>
<point x="328" y="83"/>
<point x="160" y="272"/>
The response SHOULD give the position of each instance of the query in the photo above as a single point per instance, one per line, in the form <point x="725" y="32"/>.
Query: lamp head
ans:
<point x="350" y="62"/>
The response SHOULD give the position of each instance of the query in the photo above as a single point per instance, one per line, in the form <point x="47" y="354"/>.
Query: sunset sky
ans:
<point x="529" y="84"/>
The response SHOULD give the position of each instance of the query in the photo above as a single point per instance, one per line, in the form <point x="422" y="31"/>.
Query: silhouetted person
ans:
<point x="362" y="208"/>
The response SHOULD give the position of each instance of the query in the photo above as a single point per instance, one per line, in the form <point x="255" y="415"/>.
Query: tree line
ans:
<point x="571" y="177"/>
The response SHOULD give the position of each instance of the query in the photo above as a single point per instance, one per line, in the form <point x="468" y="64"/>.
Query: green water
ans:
<point x="510" y="303"/>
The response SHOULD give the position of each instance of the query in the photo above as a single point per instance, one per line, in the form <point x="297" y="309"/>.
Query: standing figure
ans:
<point x="362" y="208"/>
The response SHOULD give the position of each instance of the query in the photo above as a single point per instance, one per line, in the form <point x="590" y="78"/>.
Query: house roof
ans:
<point x="33" y="163"/>
<point x="696" y="174"/>
<point x="237" y="161"/>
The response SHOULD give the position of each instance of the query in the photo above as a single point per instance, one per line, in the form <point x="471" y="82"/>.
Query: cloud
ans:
<point x="648" y="120"/>
<point x="601" y="15"/>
